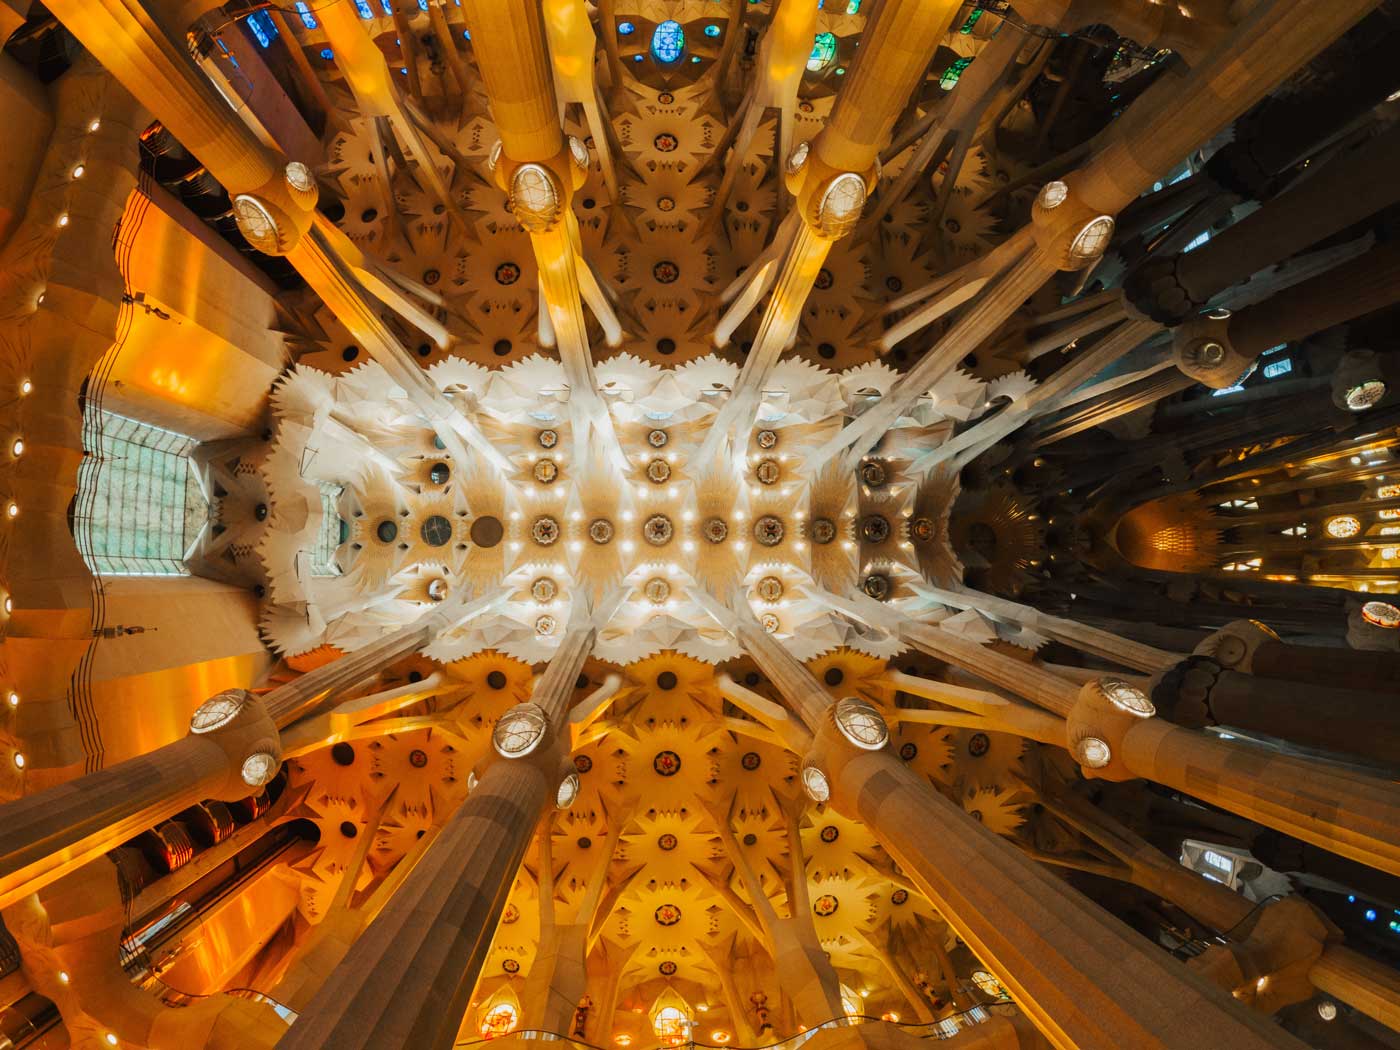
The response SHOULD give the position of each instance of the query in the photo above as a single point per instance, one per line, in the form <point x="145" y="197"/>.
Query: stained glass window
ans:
<point x="327" y="53"/>
<point x="260" y="24"/>
<point x="625" y="29"/>
<point x="330" y="535"/>
<point x="852" y="7"/>
<point x="1277" y="368"/>
<point x="139" y="504"/>
<point x="951" y="74"/>
<point x="712" y="30"/>
<point x="362" y="9"/>
<point x="668" y="42"/>
<point x="307" y="18"/>
<point x="971" y="21"/>
<point x="823" y="52"/>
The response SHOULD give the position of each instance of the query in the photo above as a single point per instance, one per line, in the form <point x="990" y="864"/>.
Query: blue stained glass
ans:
<point x="823" y="52"/>
<point x="467" y="33"/>
<point x="307" y="18"/>
<point x="695" y="58"/>
<point x="625" y="29"/>
<point x="387" y="9"/>
<point x="639" y="58"/>
<point x="1278" y="368"/>
<point x="712" y="30"/>
<point x="327" y="53"/>
<point x="668" y="42"/>
<point x="362" y="9"/>
<point x="260" y="22"/>
<point x="422" y="5"/>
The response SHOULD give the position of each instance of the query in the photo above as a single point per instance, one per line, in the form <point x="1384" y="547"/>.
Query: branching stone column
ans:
<point x="273" y="201"/>
<point x="1072" y="220"/>
<point x="831" y="178"/>
<point x="1112" y="730"/>
<point x="406" y="981"/>
<point x="540" y="169"/>
<point x="1085" y="979"/>
<point x="233" y="749"/>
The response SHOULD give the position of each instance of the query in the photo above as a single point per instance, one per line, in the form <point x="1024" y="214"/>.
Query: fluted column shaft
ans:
<point x="1347" y="721"/>
<point x="1319" y="802"/>
<point x="407" y="980"/>
<point x="510" y="52"/>
<point x="1365" y="284"/>
<point x="1342" y="193"/>
<point x="45" y="835"/>
<point x="1174" y="116"/>
<point x="1344" y="668"/>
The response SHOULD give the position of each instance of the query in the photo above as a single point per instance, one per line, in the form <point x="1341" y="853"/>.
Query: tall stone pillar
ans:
<point x="1111" y="728"/>
<point x="831" y="178"/>
<point x="407" y="980"/>
<point x="233" y="749"/>
<point x="1084" y="978"/>
<point x="540" y="170"/>
<point x="1198" y="692"/>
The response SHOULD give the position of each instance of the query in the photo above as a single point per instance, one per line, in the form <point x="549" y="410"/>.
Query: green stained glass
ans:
<point x="852" y="7"/>
<point x="971" y="21"/>
<point x="823" y="52"/>
<point x="139" y="503"/>
<point x="951" y="74"/>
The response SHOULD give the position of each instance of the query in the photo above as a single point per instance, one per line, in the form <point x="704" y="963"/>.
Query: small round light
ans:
<point x="26" y="387"/>
<point x="63" y="219"/>
<point x="1052" y="195"/>
<point x="437" y="590"/>
<point x="1382" y="614"/>
<point x="95" y="124"/>
<point x="1365" y="395"/>
<point x="19" y="760"/>
<point x="218" y="711"/>
<point x="17" y="447"/>
<point x="78" y="171"/>
<point x="798" y="157"/>
<point x="1093" y="752"/>
<point x="62" y="976"/>
<point x="1090" y="242"/>
<point x="110" y="1038"/>
<point x="520" y="730"/>
<point x="1126" y="697"/>
<point x="258" y="769"/>
<point x="861" y="724"/>
<point x="816" y="785"/>
<point x="568" y="791"/>
<point x="12" y="509"/>
<point x="12" y="698"/>
<point x="299" y="177"/>
<point x="1327" y="1010"/>
<point x="9" y="605"/>
<point x="472" y="781"/>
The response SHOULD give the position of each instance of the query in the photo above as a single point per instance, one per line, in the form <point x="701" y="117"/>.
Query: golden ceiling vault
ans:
<point x="736" y="523"/>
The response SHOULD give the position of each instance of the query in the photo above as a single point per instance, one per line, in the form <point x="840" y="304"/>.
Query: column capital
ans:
<point x="1234" y="645"/>
<point x="274" y="217"/>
